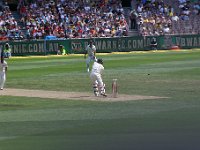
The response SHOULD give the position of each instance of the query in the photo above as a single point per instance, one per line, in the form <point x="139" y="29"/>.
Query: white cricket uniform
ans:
<point x="91" y="54"/>
<point x="95" y="76"/>
<point x="3" y="73"/>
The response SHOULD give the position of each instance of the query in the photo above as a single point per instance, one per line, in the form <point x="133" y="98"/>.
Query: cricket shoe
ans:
<point x="96" y="94"/>
<point x="104" y="94"/>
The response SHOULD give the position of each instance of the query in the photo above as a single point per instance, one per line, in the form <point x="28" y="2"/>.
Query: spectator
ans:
<point x="133" y="17"/>
<point x="196" y="8"/>
<point x="175" y="17"/>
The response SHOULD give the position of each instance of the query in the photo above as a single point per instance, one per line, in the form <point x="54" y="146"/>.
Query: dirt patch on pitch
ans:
<point x="73" y="95"/>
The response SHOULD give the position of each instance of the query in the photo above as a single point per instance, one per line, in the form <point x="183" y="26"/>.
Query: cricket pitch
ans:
<point x="73" y="95"/>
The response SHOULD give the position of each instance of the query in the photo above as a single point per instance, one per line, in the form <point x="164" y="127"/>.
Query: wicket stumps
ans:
<point x="114" y="88"/>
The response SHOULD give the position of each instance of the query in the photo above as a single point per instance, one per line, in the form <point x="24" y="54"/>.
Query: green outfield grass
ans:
<point x="50" y="124"/>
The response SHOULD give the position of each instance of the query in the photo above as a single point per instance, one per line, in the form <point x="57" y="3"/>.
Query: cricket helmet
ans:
<point x="100" y="61"/>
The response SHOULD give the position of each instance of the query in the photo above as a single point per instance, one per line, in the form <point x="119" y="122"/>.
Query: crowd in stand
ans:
<point x="98" y="18"/>
<point x="74" y="19"/>
<point x="8" y="25"/>
<point x="156" y="17"/>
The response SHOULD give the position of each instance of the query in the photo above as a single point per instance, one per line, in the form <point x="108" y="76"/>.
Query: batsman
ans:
<point x="96" y="78"/>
